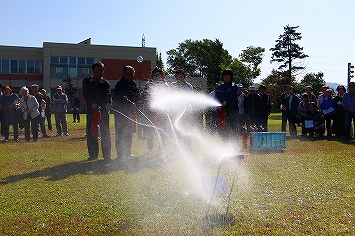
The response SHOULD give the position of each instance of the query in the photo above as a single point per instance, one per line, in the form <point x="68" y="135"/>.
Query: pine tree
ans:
<point x="287" y="53"/>
<point x="159" y="61"/>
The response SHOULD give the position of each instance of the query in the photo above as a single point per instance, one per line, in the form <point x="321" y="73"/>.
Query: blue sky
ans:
<point x="327" y="27"/>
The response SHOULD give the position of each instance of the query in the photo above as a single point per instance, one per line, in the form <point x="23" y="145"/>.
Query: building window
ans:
<point x="72" y="60"/>
<point x="59" y="70"/>
<point x="38" y="67"/>
<point x="14" y="68"/>
<point x="89" y="61"/>
<point x="63" y="60"/>
<point x="30" y="67"/>
<point x="5" y="66"/>
<point x="73" y="71"/>
<point x="75" y="67"/>
<point x="81" y="60"/>
<point x="54" y="59"/>
<point x="22" y="67"/>
<point x="86" y="71"/>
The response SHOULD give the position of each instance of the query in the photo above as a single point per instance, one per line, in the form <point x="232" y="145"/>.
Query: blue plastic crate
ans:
<point x="268" y="140"/>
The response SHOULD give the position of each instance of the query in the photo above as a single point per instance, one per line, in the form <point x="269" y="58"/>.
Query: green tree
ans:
<point x="242" y="73"/>
<point x="70" y="88"/>
<point x="199" y="58"/>
<point x="253" y="56"/>
<point x="159" y="61"/>
<point x="315" y="80"/>
<point x="288" y="54"/>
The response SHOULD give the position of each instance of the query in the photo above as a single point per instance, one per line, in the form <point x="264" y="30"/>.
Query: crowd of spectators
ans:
<point x="320" y="115"/>
<point x="323" y="114"/>
<point x="28" y="110"/>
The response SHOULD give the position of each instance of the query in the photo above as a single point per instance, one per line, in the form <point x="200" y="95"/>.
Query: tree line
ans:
<point x="207" y="59"/>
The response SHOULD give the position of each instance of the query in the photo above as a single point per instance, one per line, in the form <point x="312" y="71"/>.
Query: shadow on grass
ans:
<point x="97" y="167"/>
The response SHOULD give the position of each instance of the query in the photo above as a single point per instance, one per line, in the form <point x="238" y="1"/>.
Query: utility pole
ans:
<point x="350" y="72"/>
<point x="143" y="41"/>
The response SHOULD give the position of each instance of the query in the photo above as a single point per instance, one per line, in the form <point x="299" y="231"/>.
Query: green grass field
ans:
<point x="48" y="188"/>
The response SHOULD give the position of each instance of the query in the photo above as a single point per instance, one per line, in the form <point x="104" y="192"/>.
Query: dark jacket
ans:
<point x="265" y="104"/>
<point x="99" y="93"/>
<point x="283" y="98"/>
<point x="48" y="101"/>
<point x="317" y="117"/>
<point x="252" y="105"/>
<point x="76" y="103"/>
<point x="40" y="98"/>
<point x="126" y="93"/>
<point x="338" y="104"/>
<point x="292" y="110"/>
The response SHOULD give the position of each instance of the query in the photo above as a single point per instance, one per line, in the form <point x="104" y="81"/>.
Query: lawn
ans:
<point x="48" y="188"/>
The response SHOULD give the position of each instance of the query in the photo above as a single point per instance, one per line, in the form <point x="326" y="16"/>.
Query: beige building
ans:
<point x="49" y="65"/>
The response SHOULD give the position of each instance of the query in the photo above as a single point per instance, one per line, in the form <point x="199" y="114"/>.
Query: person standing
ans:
<point x="292" y="103"/>
<point x="126" y="96"/>
<point x="97" y="95"/>
<point x="47" y="110"/>
<point x="76" y="108"/>
<point x="349" y="106"/>
<point x="339" y="122"/>
<point x="311" y="96"/>
<point x="265" y="107"/>
<point x="29" y="107"/>
<point x="226" y="94"/>
<point x="182" y="85"/>
<point x="9" y="104"/>
<point x="322" y="95"/>
<point x="302" y="110"/>
<point x="328" y="108"/>
<point x="252" y="107"/>
<point x="158" y="118"/>
<point x="42" y="105"/>
<point x="283" y="98"/>
<point x="60" y="102"/>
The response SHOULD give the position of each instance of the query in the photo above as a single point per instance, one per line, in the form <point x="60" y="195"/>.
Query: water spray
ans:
<point x="225" y="218"/>
<point x="175" y="104"/>
<point x="150" y="126"/>
<point x="138" y="123"/>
